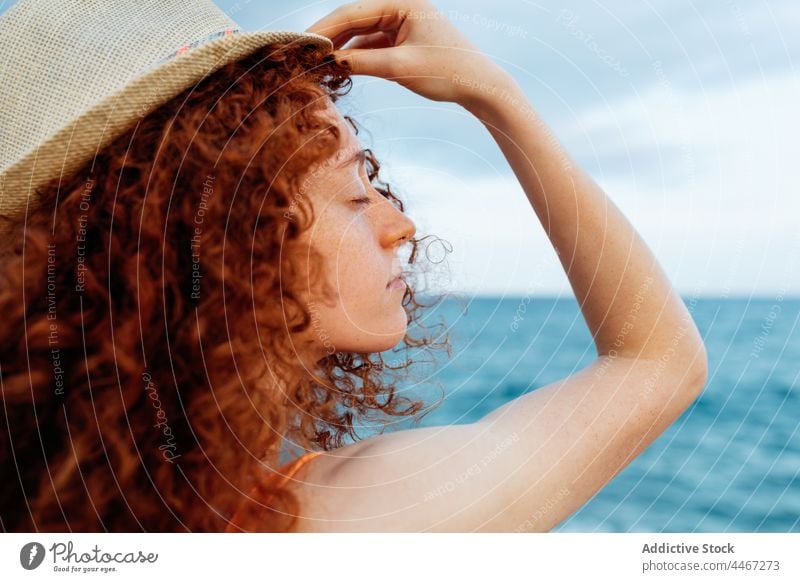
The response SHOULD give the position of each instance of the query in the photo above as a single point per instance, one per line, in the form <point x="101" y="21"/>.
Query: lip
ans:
<point x="396" y="283"/>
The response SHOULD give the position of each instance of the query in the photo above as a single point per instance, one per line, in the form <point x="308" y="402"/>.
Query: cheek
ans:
<point x="356" y="265"/>
<point x="342" y="251"/>
<point x="359" y="273"/>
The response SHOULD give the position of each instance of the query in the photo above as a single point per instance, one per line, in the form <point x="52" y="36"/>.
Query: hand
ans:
<point x="412" y="43"/>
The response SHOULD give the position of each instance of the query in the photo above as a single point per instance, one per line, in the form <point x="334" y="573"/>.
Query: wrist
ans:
<point x="491" y="99"/>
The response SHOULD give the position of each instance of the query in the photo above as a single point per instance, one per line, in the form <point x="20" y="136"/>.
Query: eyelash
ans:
<point x="369" y="168"/>
<point x="362" y="201"/>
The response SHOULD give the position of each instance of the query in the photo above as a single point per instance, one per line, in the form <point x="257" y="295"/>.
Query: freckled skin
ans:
<point x="358" y="243"/>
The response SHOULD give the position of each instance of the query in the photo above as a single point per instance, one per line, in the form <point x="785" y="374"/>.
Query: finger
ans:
<point x="376" y="40"/>
<point x="358" y="18"/>
<point x="375" y="62"/>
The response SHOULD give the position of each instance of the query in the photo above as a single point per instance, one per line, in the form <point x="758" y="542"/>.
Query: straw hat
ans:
<point x="74" y="75"/>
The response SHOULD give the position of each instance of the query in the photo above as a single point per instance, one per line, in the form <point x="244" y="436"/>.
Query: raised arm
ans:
<point x="529" y="464"/>
<point x="626" y="299"/>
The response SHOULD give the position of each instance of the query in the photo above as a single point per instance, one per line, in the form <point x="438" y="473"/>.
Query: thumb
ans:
<point x="377" y="62"/>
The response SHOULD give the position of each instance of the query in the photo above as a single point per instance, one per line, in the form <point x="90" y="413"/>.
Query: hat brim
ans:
<point x="80" y="139"/>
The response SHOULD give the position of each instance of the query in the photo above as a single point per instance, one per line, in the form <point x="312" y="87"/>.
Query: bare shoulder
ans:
<point x="524" y="467"/>
<point x="385" y="483"/>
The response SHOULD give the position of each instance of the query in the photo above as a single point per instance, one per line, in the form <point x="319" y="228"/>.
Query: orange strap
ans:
<point x="286" y="472"/>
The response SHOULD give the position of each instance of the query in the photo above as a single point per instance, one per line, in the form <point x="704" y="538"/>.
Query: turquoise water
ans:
<point x="730" y="463"/>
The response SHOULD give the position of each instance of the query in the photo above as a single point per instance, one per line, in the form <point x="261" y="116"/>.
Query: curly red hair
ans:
<point x="148" y="302"/>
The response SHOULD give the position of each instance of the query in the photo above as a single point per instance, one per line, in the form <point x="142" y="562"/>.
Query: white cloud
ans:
<point x="729" y="225"/>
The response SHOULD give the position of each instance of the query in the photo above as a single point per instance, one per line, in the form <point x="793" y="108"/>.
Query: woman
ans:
<point x="223" y="276"/>
<point x="532" y="462"/>
<point x="167" y="330"/>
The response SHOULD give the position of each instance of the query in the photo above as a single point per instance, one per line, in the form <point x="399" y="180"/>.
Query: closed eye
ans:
<point x="364" y="201"/>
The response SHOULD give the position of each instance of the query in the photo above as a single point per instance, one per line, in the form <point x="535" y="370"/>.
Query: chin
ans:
<point x="377" y="342"/>
<point x="388" y="344"/>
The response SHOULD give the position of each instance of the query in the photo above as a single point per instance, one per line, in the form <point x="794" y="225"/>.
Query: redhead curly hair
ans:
<point x="148" y="306"/>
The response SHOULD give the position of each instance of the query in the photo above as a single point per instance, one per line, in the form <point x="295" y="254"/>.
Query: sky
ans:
<point x="684" y="112"/>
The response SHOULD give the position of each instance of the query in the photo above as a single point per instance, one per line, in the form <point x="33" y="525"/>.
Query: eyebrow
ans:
<point x="359" y="156"/>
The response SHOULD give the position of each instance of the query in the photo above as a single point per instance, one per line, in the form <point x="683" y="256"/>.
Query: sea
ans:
<point x="730" y="463"/>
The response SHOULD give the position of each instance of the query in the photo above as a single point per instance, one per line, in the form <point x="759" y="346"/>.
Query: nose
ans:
<point x="398" y="227"/>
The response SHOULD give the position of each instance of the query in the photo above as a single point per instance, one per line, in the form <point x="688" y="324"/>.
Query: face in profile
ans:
<point x="357" y="233"/>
